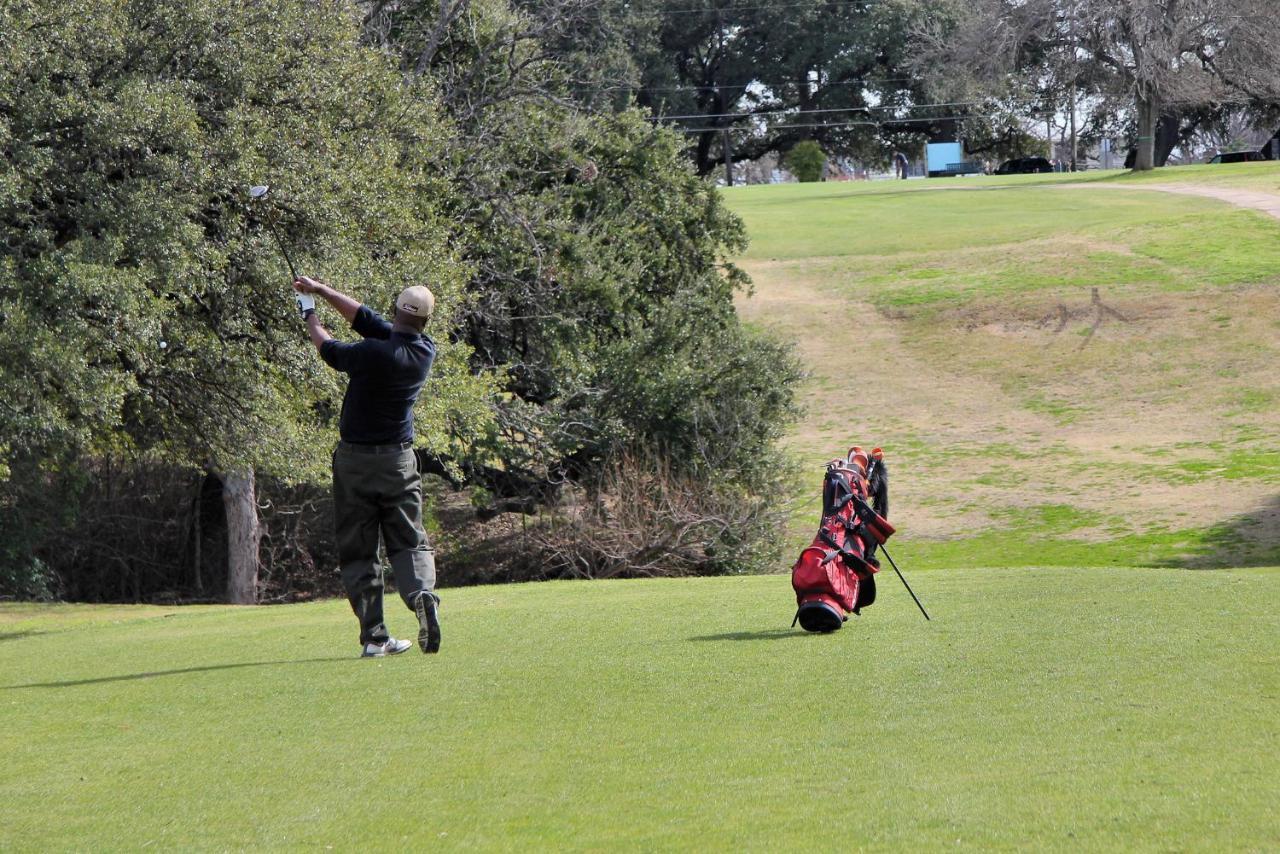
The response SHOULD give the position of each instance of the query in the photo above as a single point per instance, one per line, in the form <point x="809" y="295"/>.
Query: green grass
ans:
<point x="1263" y="177"/>
<point x="970" y="327"/>
<point x="884" y="219"/>
<point x="1059" y="700"/>
<point x="1046" y="709"/>
<point x="794" y="221"/>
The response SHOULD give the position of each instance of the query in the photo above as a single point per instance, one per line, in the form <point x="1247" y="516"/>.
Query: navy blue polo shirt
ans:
<point x="387" y="370"/>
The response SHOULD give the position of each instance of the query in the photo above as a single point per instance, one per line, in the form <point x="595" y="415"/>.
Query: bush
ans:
<point x="131" y="529"/>
<point x="806" y="160"/>
<point x="25" y="578"/>
<point x="641" y="518"/>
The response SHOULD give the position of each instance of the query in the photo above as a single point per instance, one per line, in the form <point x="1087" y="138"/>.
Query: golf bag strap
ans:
<point x="848" y="554"/>
<point x="831" y="541"/>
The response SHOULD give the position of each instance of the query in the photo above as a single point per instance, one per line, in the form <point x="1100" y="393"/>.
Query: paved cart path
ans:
<point x="1268" y="203"/>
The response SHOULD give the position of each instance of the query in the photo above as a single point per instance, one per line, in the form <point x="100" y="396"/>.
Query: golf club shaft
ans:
<point x="284" y="251"/>
<point x="904" y="581"/>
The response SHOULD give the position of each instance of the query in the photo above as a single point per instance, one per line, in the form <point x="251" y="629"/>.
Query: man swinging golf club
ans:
<point x="376" y="485"/>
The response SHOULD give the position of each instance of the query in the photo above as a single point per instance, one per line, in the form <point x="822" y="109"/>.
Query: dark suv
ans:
<point x="1024" y="166"/>
<point x="1238" y="157"/>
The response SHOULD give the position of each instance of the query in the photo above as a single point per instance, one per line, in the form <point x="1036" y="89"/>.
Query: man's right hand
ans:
<point x="345" y="305"/>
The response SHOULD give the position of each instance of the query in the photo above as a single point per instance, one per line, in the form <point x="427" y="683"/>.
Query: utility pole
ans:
<point x="1048" y="131"/>
<point x="727" y="147"/>
<point x="1073" y="125"/>
<point x="1075" y="76"/>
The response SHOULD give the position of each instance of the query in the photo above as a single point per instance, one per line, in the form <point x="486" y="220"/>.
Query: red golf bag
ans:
<point x="835" y="575"/>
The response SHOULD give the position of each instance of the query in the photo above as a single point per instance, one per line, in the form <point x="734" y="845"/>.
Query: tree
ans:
<point x="142" y="303"/>
<point x="831" y="72"/>
<point x="806" y="160"/>
<point x="601" y="294"/>
<point x="585" y="296"/>
<point x="1169" y="58"/>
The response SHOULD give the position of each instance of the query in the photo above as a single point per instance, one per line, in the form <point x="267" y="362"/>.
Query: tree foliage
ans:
<point x="602" y="294"/>
<point x="839" y="74"/>
<point x="585" y="297"/>
<point x="1161" y="62"/>
<point x="144" y="308"/>
<point x="806" y="160"/>
<point x="143" y="303"/>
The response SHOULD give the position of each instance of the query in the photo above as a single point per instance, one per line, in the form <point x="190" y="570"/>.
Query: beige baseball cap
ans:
<point x="417" y="300"/>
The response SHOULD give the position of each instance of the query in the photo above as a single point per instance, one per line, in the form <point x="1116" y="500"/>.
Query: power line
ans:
<point x="714" y="88"/>
<point x="766" y="7"/>
<point x="790" y="111"/>
<point x="880" y="123"/>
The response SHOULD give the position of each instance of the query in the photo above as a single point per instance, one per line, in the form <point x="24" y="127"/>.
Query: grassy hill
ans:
<point x="1076" y="372"/>
<point x="1047" y="708"/>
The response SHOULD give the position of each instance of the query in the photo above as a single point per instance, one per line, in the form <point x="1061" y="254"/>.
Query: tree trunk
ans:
<point x="727" y="146"/>
<point x="705" y="160"/>
<point x="243" y="536"/>
<point x="1148" y="115"/>
<point x="1168" y="135"/>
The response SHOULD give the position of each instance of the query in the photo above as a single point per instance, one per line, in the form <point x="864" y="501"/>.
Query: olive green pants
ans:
<point x="379" y="493"/>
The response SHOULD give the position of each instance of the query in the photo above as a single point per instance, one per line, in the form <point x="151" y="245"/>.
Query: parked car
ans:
<point x="1238" y="157"/>
<point x="1024" y="166"/>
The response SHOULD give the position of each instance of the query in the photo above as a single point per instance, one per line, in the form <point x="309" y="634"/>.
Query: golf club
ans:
<point x="257" y="193"/>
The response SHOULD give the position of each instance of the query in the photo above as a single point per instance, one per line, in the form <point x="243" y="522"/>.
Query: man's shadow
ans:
<point x="764" y="634"/>
<point x="129" y="677"/>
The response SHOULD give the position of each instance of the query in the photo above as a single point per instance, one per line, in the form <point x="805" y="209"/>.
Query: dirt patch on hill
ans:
<point x="996" y="405"/>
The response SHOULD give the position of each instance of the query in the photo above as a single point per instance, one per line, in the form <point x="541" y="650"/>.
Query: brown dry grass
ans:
<point x="995" y="404"/>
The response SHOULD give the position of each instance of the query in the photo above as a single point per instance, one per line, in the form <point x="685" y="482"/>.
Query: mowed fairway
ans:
<point x="1052" y="709"/>
<point x="1070" y="373"/>
<point x="1068" y="465"/>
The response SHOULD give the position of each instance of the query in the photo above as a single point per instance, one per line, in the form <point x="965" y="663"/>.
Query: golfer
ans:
<point x="900" y="165"/>
<point x="376" y="484"/>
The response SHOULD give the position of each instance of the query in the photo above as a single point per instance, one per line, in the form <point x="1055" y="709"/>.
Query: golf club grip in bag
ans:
<point x="835" y="575"/>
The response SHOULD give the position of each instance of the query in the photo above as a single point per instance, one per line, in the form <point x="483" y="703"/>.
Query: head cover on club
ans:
<point x="417" y="301"/>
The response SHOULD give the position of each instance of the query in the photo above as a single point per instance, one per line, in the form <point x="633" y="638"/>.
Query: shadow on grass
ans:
<point x="8" y="636"/>
<point x="765" y="634"/>
<point x="129" y="677"/>
<point x="1251" y="539"/>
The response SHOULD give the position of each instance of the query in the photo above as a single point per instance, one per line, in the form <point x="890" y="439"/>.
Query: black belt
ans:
<point x="356" y="448"/>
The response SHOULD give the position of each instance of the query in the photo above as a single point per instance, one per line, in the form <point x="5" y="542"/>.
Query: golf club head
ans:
<point x="259" y="191"/>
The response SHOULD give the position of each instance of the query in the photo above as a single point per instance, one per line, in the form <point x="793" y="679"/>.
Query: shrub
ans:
<point x="128" y="528"/>
<point x="806" y="160"/>
<point x="641" y="518"/>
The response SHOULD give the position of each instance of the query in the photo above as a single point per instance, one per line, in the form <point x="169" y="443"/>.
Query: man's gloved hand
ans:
<point x="306" y="304"/>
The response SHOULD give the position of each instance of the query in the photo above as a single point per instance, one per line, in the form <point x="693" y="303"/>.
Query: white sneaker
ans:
<point x="390" y="646"/>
